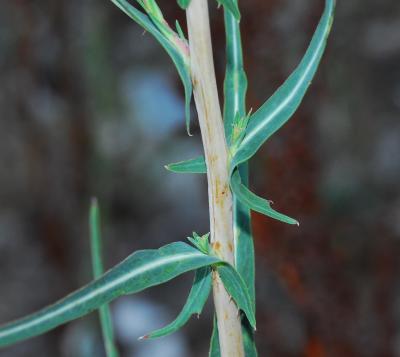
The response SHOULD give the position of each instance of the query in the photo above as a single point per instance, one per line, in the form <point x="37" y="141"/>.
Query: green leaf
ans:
<point x="183" y="4"/>
<point x="237" y="289"/>
<point x="232" y="6"/>
<point x="201" y="242"/>
<point x="175" y="46"/>
<point x="215" y="350"/>
<point x="256" y="203"/>
<point x="192" y="166"/>
<point x="194" y="305"/>
<point x="282" y="105"/>
<point x="244" y="245"/>
<point x="179" y="30"/>
<point x="235" y="89"/>
<point x="239" y="130"/>
<point x="98" y="269"/>
<point x="139" y="271"/>
<point x="249" y="345"/>
<point x="235" y="83"/>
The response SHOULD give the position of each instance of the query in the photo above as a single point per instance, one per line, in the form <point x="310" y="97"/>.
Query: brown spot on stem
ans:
<point x="226" y="315"/>
<point x="216" y="246"/>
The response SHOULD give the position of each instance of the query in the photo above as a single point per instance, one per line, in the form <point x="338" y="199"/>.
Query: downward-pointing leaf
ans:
<point x="192" y="166"/>
<point x="282" y="105"/>
<point x="256" y="203"/>
<point x="139" y="271"/>
<point x="237" y="289"/>
<point x="98" y="269"/>
<point x="175" y="46"/>
<point x="194" y="305"/>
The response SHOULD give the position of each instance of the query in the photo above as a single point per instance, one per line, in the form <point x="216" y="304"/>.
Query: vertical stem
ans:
<point x="216" y="154"/>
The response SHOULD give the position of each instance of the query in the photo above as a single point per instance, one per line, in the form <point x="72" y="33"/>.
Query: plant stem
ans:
<point x="217" y="160"/>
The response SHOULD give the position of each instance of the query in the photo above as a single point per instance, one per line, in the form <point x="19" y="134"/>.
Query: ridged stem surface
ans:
<point x="216" y="154"/>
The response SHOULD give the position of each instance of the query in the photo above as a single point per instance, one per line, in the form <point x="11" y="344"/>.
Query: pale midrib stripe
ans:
<point x="288" y="99"/>
<point x="102" y="289"/>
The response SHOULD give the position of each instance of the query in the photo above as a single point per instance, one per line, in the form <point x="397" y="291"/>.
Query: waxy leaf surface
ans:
<point x="235" y="89"/>
<point x="284" y="102"/>
<point x="215" y="350"/>
<point x="194" y="305"/>
<point x="179" y="54"/>
<point x="139" y="271"/>
<point x="237" y="289"/>
<point x="192" y="166"/>
<point x="232" y="6"/>
<point x="256" y="203"/>
<point x="98" y="270"/>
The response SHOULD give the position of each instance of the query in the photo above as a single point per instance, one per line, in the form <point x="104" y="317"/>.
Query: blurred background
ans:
<point x="92" y="106"/>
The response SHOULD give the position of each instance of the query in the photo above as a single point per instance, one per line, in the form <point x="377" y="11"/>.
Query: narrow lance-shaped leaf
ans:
<point x="175" y="46"/>
<point x="139" y="271"/>
<point x="256" y="203"/>
<point x="237" y="289"/>
<point x="284" y="102"/>
<point x="235" y="83"/>
<point x="235" y="89"/>
<point x="194" y="305"/>
<point x="192" y="166"/>
<point x="250" y="348"/>
<point x="98" y="270"/>
<point x="215" y="350"/>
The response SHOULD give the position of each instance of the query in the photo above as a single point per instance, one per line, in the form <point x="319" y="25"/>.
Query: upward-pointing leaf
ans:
<point x="281" y="106"/>
<point x="139" y="271"/>
<point x="98" y="270"/>
<point x="175" y="46"/>
<point x="235" y="89"/>
<point x="194" y="305"/>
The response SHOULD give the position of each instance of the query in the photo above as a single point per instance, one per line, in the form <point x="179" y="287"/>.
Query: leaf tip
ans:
<point x="94" y="201"/>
